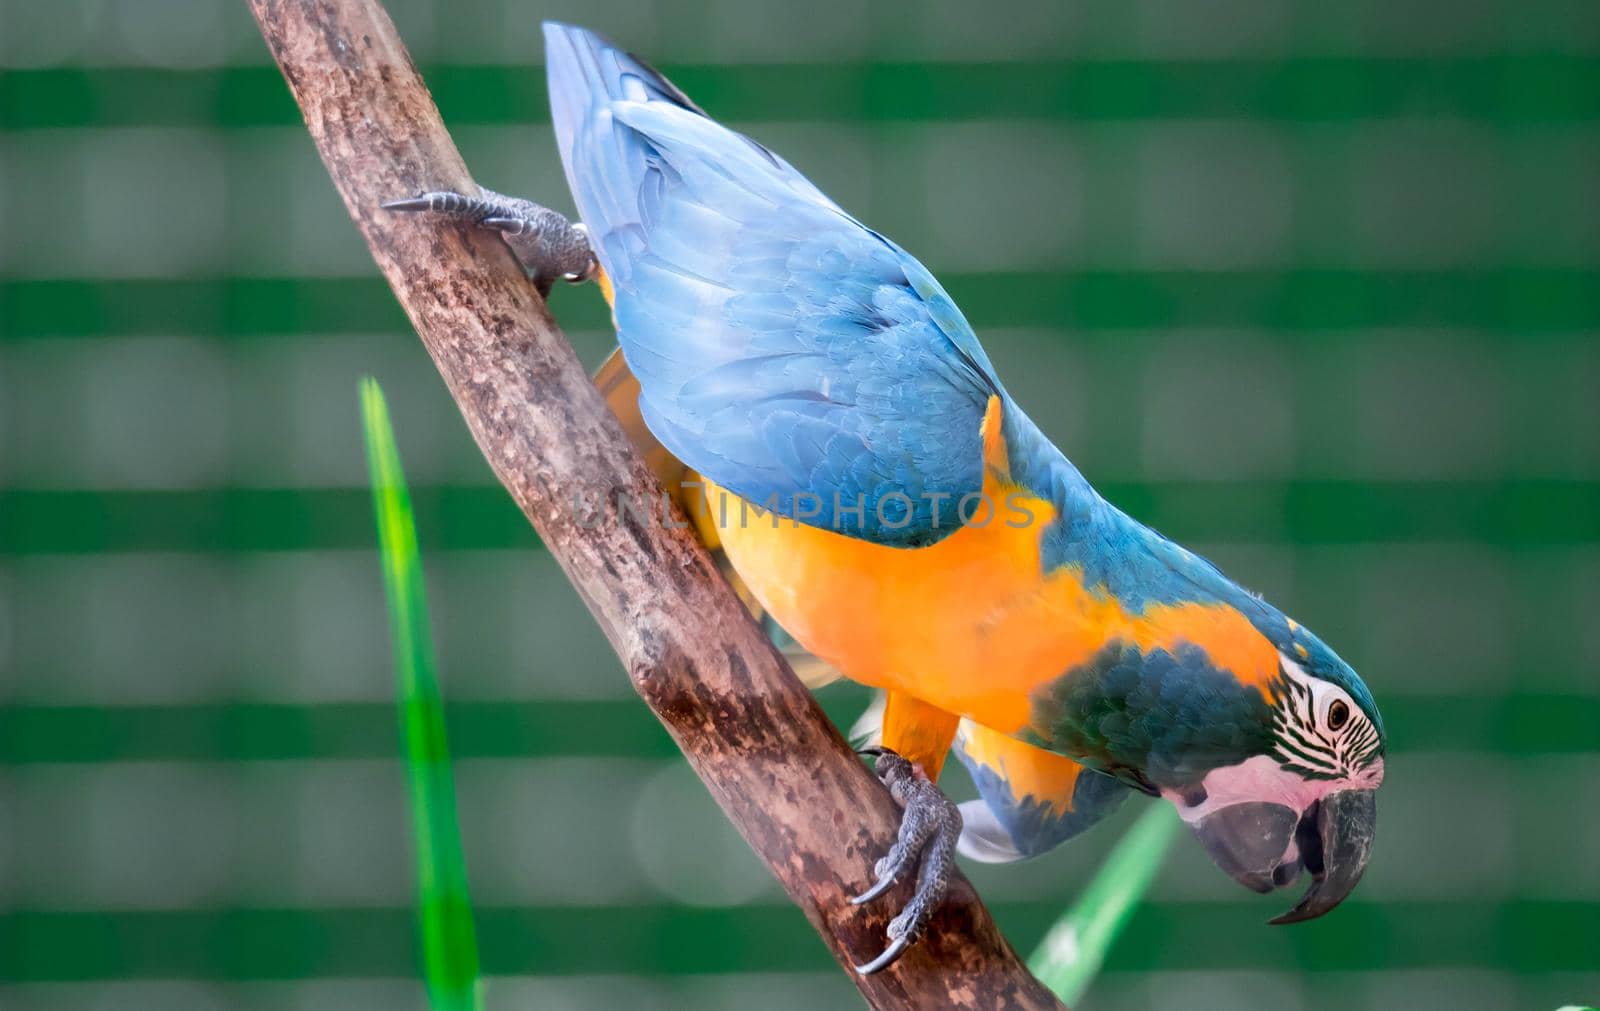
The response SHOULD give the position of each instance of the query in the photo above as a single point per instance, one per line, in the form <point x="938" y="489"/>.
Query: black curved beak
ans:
<point x="1332" y="840"/>
<point x="1335" y="839"/>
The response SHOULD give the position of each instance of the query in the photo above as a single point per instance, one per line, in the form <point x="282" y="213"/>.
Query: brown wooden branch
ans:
<point x="752" y="732"/>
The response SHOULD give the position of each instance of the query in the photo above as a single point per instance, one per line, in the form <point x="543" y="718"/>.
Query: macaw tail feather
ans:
<point x="586" y="73"/>
<point x="586" y="70"/>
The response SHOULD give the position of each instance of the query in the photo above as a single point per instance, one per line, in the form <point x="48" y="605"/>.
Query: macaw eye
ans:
<point x="1338" y="714"/>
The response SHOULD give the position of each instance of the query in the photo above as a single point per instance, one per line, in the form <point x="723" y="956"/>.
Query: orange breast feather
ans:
<point x="970" y="624"/>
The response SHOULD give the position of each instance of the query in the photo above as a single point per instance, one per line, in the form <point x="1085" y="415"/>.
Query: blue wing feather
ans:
<point x="783" y="349"/>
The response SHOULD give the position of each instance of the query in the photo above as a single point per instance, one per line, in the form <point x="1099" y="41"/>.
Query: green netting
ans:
<point x="1314" y="289"/>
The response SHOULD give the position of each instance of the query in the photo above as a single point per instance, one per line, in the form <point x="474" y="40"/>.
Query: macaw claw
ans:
<point x="437" y="201"/>
<point x="511" y="226"/>
<point x="545" y="243"/>
<point x="929" y="830"/>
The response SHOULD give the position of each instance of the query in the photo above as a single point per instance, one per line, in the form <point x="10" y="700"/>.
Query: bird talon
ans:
<point x="881" y="885"/>
<point x="406" y="204"/>
<point x="926" y="840"/>
<point x="510" y="226"/>
<point x="436" y="201"/>
<point x="547" y="245"/>
<point x="891" y="954"/>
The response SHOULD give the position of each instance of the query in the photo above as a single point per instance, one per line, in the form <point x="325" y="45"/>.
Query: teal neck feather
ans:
<point x="1122" y="558"/>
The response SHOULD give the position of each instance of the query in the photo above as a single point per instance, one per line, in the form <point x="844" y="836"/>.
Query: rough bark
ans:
<point x="777" y="766"/>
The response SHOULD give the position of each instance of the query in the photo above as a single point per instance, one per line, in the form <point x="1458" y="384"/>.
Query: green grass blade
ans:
<point x="449" y="943"/>
<point x="1074" y="949"/>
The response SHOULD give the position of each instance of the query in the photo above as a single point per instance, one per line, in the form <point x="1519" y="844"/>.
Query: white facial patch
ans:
<point x="1311" y="737"/>
<point x="1322" y="727"/>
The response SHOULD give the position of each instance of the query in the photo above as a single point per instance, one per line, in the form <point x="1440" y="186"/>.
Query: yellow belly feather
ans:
<point x="970" y="624"/>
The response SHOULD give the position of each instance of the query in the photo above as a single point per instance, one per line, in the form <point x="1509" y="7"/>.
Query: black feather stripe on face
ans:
<point x="1305" y="747"/>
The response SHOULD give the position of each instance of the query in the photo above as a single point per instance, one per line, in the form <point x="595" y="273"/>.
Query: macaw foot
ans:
<point x="545" y="243"/>
<point x="929" y="830"/>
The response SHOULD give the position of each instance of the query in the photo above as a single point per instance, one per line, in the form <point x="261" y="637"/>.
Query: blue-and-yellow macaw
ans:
<point x="782" y="360"/>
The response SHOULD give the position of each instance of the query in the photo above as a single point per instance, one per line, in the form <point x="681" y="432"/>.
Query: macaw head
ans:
<point x="1268" y="744"/>
<point x="1303" y="799"/>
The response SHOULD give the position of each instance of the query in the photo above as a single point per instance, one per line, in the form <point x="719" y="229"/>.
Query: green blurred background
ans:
<point x="1310" y="286"/>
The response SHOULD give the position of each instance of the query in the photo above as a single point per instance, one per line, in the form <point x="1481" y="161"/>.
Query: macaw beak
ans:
<point x="1264" y="846"/>
<point x="1337" y="831"/>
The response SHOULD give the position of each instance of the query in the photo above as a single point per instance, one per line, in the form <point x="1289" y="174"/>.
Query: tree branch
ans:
<point x="752" y="732"/>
